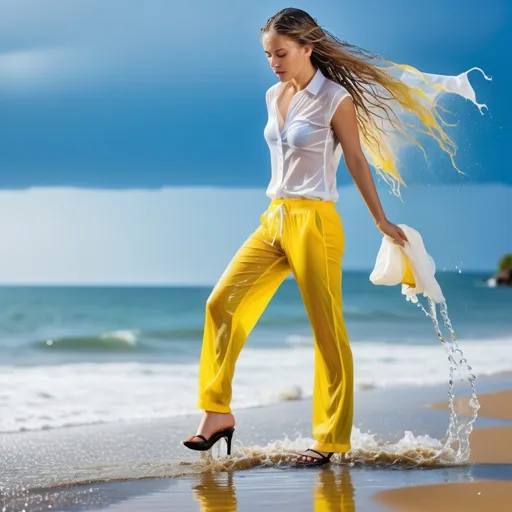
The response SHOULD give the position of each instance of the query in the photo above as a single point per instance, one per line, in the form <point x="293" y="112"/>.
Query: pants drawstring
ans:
<point x="282" y="210"/>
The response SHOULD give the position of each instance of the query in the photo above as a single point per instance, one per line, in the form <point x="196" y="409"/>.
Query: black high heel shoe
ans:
<point x="206" y="444"/>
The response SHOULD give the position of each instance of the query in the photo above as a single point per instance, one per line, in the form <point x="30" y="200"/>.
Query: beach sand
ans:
<point x="493" y="405"/>
<point x="491" y="446"/>
<point x="488" y="495"/>
<point x="143" y="466"/>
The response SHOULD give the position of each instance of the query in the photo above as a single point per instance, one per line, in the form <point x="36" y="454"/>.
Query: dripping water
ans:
<point x="456" y="445"/>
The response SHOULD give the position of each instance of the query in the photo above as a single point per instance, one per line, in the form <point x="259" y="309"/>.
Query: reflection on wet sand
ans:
<point x="333" y="492"/>
<point x="216" y="492"/>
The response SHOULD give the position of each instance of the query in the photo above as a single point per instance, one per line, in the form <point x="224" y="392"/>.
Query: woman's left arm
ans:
<point x="345" y="126"/>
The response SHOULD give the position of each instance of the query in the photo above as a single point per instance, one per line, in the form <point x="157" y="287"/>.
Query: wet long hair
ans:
<point x="374" y="90"/>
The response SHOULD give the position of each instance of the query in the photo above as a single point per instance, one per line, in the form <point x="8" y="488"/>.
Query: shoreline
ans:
<point x="147" y="455"/>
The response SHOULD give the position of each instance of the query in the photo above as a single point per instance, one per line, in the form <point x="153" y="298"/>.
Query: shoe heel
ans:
<point x="229" y="438"/>
<point x="206" y="444"/>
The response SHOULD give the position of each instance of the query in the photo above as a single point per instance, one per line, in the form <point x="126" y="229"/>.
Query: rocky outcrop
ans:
<point x="503" y="277"/>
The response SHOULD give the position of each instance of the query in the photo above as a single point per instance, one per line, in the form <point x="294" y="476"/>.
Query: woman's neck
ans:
<point x="301" y="81"/>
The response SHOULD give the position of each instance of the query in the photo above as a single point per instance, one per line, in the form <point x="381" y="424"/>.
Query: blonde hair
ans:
<point x="376" y="93"/>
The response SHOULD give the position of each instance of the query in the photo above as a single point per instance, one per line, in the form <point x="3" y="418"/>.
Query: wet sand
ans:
<point x="494" y="405"/>
<point x="142" y="465"/>
<point x="484" y="495"/>
<point x="491" y="448"/>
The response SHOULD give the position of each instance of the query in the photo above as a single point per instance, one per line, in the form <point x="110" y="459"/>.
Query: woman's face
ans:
<point x="286" y="57"/>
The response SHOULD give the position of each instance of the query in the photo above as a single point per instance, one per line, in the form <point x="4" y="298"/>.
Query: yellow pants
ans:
<point x="334" y="491"/>
<point x="304" y="236"/>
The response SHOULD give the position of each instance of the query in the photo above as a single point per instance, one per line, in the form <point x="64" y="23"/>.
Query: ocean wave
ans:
<point x="108" y="341"/>
<point x="43" y="397"/>
<point x="140" y="339"/>
<point x="119" y="340"/>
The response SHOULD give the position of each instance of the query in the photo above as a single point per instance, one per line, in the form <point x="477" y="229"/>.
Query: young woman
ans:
<point x="327" y="97"/>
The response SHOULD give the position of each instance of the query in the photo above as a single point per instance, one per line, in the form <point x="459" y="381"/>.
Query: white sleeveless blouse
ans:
<point x="305" y="154"/>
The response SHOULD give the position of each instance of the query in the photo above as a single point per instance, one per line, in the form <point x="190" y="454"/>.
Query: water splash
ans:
<point x="408" y="452"/>
<point x="428" y="89"/>
<point x="456" y="444"/>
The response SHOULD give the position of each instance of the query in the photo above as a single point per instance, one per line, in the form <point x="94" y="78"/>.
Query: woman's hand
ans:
<point x="393" y="231"/>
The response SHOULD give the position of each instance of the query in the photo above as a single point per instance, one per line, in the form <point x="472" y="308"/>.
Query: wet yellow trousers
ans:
<point x="303" y="236"/>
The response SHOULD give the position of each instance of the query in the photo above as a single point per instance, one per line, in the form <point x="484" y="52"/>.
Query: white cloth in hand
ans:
<point x="391" y="267"/>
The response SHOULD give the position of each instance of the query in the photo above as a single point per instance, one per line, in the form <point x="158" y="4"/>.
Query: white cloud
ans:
<point x="188" y="235"/>
<point x="39" y="68"/>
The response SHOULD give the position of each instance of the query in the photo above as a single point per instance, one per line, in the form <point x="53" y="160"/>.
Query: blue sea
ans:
<point x="83" y="355"/>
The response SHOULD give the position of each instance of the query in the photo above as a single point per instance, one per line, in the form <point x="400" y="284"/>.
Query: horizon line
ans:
<point x="177" y="284"/>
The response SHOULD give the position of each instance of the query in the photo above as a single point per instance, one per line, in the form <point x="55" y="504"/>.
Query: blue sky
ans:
<point x="125" y="95"/>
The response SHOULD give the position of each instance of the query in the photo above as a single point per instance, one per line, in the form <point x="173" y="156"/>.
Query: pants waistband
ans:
<point x="283" y="206"/>
<point x="303" y="202"/>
